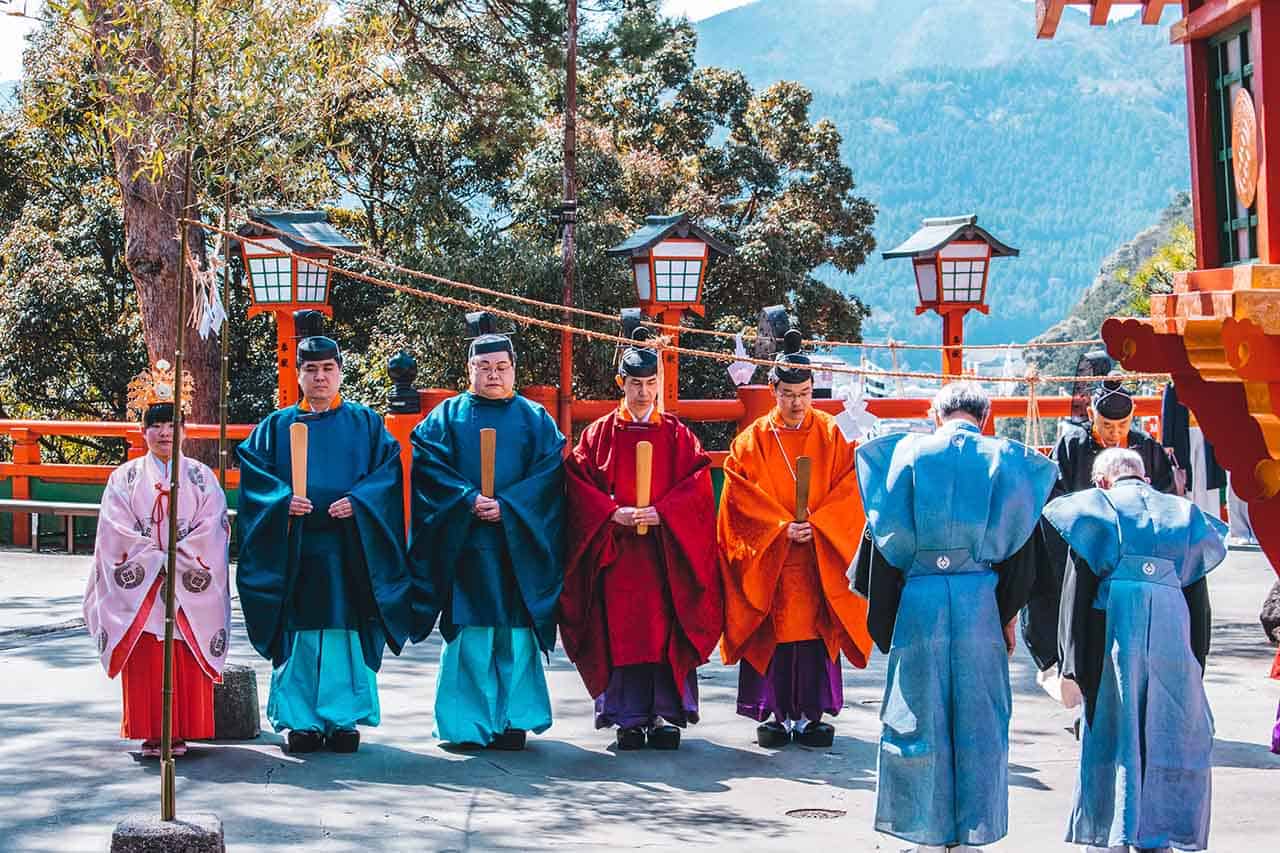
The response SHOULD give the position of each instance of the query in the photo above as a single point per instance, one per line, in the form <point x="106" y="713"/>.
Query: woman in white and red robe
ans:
<point x="124" y="605"/>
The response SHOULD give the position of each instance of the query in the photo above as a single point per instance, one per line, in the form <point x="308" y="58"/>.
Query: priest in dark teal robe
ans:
<point x="322" y="579"/>
<point x="488" y="569"/>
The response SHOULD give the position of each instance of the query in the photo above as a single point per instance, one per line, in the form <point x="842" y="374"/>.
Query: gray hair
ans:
<point x="968" y="397"/>
<point x="1116" y="463"/>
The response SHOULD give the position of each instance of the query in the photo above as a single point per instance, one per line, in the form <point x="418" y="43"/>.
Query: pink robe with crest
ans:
<point x="124" y="597"/>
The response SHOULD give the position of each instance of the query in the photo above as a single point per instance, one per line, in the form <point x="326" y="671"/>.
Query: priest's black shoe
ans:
<point x="772" y="735"/>
<point x="304" y="741"/>
<point x="512" y="740"/>
<point x="664" y="737"/>
<point x="820" y="735"/>
<point x="632" y="738"/>
<point x="344" y="740"/>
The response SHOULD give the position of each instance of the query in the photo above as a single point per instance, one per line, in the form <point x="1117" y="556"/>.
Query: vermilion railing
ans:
<point x="751" y="402"/>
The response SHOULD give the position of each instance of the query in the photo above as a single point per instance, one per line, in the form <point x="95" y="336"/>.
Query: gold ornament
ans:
<point x="155" y="385"/>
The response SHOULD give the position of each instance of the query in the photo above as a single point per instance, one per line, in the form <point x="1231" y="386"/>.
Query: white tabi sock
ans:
<point x="802" y="724"/>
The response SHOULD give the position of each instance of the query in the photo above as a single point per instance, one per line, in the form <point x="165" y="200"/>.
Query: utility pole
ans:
<point x="568" y="217"/>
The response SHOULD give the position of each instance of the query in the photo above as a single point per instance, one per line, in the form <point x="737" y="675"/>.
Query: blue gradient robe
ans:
<point x="1147" y="743"/>
<point x="492" y="586"/>
<point x="333" y="592"/>
<point x="942" y="509"/>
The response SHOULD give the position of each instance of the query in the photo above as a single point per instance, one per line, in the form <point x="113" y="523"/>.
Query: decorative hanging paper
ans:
<point x="207" y="311"/>
<point x="740" y="371"/>
<point x="856" y="422"/>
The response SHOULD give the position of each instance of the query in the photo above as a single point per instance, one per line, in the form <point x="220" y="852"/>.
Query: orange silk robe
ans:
<point x="777" y="591"/>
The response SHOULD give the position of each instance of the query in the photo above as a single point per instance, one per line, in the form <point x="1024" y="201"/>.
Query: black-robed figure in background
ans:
<point x="1110" y="425"/>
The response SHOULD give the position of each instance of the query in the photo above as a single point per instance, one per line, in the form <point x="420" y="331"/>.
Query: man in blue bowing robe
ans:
<point x="322" y="579"/>
<point x="951" y="551"/>
<point x="489" y="568"/>
<point x="1133" y="638"/>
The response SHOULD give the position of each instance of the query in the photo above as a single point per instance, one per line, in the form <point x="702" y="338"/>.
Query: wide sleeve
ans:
<point x="205" y="607"/>
<point x="838" y="524"/>
<point x="881" y="584"/>
<point x="123" y="584"/>
<point x="533" y="516"/>
<point x="1201" y="619"/>
<point x="440" y="507"/>
<point x="1039" y="617"/>
<point x="1016" y="576"/>
<point x="590" y="544"/>
<point x="270" y="546"/>
<point x="377" y="503"/>
<point x="688" y="542"/>
<point x="751" y="532"/>
<point x="1081" y="631"/>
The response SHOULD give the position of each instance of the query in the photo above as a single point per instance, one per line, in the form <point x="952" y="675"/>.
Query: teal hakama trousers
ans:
<point x="491" y="680"/>
<point x="324" y="685"/>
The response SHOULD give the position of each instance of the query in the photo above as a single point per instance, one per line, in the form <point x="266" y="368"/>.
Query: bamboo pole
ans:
<point x="168" y="784"/>
<point x="223" y="390"/>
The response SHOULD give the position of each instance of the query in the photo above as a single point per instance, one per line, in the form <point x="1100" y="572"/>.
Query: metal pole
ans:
<point x="569" y="214"/>
<point x="168" y="785"/>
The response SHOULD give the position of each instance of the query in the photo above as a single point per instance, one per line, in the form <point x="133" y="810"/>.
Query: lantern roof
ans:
<point x="658" y="228"/>
<point x="300" y="230"/>
<point x="937" y="232"/>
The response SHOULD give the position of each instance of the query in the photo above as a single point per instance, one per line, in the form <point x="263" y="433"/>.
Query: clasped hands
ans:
<point x="487" y="509"/>
<point x="800" y="532"/>
<point x="341" y="508"/>
<point x="633" y="516"/>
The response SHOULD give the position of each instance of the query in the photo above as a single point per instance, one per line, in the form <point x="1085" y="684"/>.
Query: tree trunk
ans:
<point x="151" y="210"/>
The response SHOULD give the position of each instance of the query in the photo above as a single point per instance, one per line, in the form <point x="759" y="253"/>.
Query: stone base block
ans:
<point x="190" y="833"/>
<point x="236" y="715"/>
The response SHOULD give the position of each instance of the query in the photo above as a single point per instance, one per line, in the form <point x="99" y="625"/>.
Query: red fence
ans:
<point x="751" y="402"/>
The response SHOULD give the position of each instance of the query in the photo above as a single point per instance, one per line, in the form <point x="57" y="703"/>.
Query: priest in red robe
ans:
<point x="641" y="610"/>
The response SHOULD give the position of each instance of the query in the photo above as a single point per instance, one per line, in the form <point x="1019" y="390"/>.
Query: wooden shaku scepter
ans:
<point x="804" y="472"/>
<point x="644" y="479"/>
<point x="488" y="452"/>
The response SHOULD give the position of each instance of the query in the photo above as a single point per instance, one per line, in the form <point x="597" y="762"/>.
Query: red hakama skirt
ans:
<point x="142" y="679"/>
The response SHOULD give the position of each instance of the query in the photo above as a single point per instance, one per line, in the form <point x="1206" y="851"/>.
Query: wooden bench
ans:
<point x="69" y="510"/>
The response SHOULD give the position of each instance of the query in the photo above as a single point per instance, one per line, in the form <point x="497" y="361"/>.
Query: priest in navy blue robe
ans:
<point x="951" y="555"/>
<point x="1133" y="639"/>
<point x="489" y="569"/>
<point x="322" y="579"/>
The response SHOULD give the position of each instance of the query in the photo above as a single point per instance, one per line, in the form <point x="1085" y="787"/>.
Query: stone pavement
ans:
<point x="66" y="778"/>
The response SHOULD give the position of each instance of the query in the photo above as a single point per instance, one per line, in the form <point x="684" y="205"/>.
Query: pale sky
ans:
<point x="13" y="29"/>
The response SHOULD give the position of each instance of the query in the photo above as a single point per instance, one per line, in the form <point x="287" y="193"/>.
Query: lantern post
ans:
<point x="951" y="257"/>
<point x="284" y="277"/>
<point x="669" y="259"/>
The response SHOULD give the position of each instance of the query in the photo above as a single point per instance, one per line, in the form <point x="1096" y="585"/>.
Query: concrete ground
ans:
<point x="66" y="778"/>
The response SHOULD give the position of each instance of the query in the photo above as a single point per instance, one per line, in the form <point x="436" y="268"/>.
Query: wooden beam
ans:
<point x="1152" y="10"/>
<point x="1048" y="16"/>
<point x="1100" y="12"/>
<point x="1212" y="17"/>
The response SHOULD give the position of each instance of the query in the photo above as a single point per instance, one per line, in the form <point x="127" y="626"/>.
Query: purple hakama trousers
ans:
<point x="802" y="681"/>
<point x="639" y="693"/>
<point x="1275" y="734"/>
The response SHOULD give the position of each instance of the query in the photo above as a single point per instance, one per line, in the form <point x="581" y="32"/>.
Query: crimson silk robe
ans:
<point x="631" y="599"/>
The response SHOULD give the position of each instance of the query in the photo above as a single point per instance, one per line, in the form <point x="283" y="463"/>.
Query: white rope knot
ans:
<point x="1033" y="434"/>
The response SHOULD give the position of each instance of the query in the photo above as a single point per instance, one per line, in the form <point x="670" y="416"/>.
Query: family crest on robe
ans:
<point x="124" y="598"/>
<point x="1134" y="635"/>
<point x="764" y="604"/>
<point x="633" y="599"/>
<point x="950" y="557"/>
<point x="317" y="572"/>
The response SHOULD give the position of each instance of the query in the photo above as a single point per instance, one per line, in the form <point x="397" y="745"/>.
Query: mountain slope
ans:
<point x="1064" y="149"/>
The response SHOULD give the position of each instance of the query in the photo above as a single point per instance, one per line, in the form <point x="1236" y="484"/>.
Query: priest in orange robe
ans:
<point x="640" y="611"/>
<point x="789" y="612"/>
